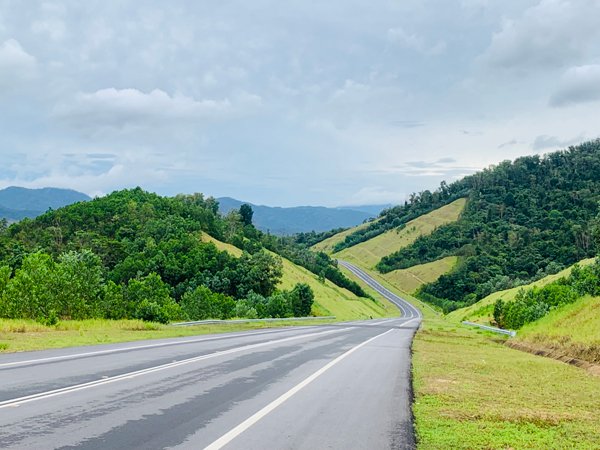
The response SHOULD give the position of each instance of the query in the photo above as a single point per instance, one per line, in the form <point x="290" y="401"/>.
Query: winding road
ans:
<point x="341" y="386"/>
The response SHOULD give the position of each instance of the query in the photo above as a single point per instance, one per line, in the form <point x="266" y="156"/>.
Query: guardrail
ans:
<point x="214" y="321"/>
<point x="510" y="333"/>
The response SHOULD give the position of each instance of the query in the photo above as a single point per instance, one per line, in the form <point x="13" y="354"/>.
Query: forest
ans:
<point x="134" y="254"/>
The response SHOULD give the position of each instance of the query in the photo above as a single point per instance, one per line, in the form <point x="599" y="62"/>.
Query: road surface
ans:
<point x="343" y="386"/>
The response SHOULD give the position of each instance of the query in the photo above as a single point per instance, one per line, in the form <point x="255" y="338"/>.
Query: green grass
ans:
<point x="369" y="253"/>
<point x="483" y="310"/>
<point x="571" y="330"/>
<point x="327" y="245"/>
<point x="411" y="279"/>
<point x="472" y="392"/>
<point x="330" y="300"/>
<point x="18" y="335"/>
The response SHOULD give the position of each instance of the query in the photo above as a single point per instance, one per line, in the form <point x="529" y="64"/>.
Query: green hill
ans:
<point x="329" y="298"/>
<point x="523" y="220"/>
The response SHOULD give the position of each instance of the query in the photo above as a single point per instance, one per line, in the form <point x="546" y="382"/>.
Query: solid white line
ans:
<point x="233" y="433"/>
<point x="141" y="347"/>
<point x="44" y="395"/>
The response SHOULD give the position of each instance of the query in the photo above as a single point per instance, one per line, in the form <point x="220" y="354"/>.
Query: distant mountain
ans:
<point x="16" y="203"/>
<point x="373" y="210"/>
<point x="282" y="221"/>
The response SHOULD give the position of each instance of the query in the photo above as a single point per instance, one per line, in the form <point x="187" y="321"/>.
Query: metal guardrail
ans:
<point x="510" y="333"/>
<point x="215" y="321"/>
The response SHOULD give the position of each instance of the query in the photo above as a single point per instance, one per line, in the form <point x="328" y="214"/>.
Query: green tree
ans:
<point x="302" y="298"/>
<point x="246" y="214"/>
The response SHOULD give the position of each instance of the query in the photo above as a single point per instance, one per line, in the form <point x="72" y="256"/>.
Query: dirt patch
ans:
<point x="594" y="369"/>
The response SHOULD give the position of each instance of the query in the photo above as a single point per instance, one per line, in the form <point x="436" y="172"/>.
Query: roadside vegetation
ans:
<point x="471" y="391"/>
<point x="18" y="335"/>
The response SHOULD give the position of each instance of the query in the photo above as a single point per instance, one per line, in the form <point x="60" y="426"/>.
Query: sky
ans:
<point x="300" y="102"/>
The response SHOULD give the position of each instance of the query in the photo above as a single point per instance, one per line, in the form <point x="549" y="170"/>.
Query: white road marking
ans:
<point x="44" y="395"/>
<point x="140" y="347"/>
<point x="233" y="433"/>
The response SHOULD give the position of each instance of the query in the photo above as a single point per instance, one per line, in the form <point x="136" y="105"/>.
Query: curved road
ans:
<point x="332" y="386"/>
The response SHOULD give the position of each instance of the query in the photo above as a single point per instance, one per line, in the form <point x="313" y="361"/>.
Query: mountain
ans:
<point x="285" y="221"/>
<point x="17" y="203"/>
<point x="373" y="210"/>
<point x="523" y="220"/>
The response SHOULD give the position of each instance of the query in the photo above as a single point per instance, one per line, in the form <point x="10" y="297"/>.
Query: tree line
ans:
<point x="134" y="254"/>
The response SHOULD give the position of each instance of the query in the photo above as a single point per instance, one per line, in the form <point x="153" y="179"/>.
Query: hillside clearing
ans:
<point x="367" y="254"/>
<point x="411" y="279"/>
<point x="327" y="245"/>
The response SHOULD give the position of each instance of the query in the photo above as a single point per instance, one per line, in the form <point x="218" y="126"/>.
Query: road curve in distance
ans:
<point x="408" y="310"/>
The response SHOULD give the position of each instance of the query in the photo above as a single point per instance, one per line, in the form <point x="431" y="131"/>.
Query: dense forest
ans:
<point x="134" y="254"/>
<point x="523" y="220"/>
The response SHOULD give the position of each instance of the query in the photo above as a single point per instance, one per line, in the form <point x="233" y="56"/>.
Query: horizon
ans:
<point x="337" y="104"/>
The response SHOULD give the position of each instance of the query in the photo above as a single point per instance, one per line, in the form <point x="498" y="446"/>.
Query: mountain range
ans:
<point x="285" y="221"/>
<point x="16" y="203"/>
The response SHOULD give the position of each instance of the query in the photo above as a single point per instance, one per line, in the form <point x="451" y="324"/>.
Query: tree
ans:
<point x="246" y="214"/>
<point x="302" y="297"/>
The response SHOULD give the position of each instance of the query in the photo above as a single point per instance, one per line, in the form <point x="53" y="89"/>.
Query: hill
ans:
<point x="141" y="256"/>
<point x="329" y="298"/>
<point x="17" y="203"/>
<point x="523" y="220"/>
<point x="286" y="221"/>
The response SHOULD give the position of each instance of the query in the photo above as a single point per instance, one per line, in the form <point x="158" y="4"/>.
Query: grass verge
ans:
<point x="24" y="335"/>
<point x="472" y="392"/>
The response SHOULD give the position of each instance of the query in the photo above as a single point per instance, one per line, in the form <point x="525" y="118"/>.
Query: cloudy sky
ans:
<point x="287" y="103"/>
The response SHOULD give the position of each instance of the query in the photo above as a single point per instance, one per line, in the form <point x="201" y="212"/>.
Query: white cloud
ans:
<point x="579" y="84"/>
<point x="120" y="108"/>
<point x="399" y="36"/>
<point x="551" y="34"/>
<point x="14" y="59"/>
<point x="545" y="142"/>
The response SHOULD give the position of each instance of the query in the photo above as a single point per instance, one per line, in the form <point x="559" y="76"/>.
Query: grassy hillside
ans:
<point x="411" y="279"/>
<point x="369" y="253"/>
<point x="329" y="298"/>
<point x="572" y="330"/>
<point x="482" y="311"/>
<point x="327" y="245"/>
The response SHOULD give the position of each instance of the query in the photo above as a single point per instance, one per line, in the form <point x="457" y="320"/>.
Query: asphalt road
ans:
<point x="343" y="386"/>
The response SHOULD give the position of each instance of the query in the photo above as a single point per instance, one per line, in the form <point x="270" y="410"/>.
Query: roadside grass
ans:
<point x="18" y="335"/>
<point x="330" y="299"/>
<point x="483" y="310"/>
<point x="571" y="330"/>
<point x="472" y="392"/>
<point x="370" y="252"/>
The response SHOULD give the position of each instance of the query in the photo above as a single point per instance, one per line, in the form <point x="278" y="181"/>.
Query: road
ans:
<point x="331" y="386"/>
